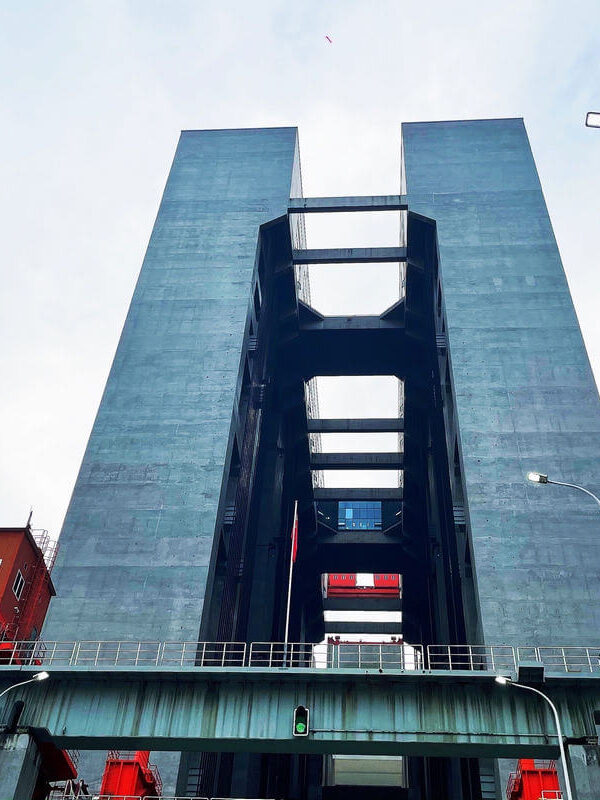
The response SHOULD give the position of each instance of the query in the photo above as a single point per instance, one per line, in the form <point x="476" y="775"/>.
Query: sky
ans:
<point x="94" y="94"/>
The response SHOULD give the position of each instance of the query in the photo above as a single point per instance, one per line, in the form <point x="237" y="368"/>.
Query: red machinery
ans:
<point x="352" y="584"/>
<point x="128" y="774"/>
<point x="531" y="779"/>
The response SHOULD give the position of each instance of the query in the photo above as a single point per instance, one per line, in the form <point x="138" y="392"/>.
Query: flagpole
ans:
<point x="289" y="596"/>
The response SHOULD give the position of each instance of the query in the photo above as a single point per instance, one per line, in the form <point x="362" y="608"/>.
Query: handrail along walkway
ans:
<point x="275" y="655"/>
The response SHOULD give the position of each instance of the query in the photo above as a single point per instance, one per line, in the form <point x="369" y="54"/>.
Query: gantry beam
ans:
<point x="437" y="713"/>
<point x="358" y="324"/>
<point x="354" y="345"/>
<point x="349" y="255"/>
<point x="356" y="460"/>
<point x="384" y="202"/>
<point x="349" y="551"/>
<point x="357" y="494"/>
<point x="370" y="425"/>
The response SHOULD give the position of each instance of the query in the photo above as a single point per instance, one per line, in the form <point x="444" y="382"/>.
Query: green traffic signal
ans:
<point x="300" y="727"/>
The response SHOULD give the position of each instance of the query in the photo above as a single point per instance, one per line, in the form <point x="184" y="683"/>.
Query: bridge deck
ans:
<point x="247" y="709"/>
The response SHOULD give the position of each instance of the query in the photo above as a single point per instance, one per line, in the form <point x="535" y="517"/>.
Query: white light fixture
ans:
<point x="537" y="477"/>
<point x="592" y="119"/>
<point x="502" y="679"/>
<point x="39" y="676"/>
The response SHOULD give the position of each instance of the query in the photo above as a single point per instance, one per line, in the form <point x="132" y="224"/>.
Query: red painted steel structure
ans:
<point x="344" y="584"/>
<point x="531" y="778"/>
<point x="26" y="560"/>
<point x="130" y="774"/>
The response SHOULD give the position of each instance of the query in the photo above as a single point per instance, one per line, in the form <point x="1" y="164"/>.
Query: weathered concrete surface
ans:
<point x="138" y="536"/>
<point x="19" y="766"/>
<point x="524" y="391"/>
<point x="351" y="711"/>
<point x="584" y="771"/>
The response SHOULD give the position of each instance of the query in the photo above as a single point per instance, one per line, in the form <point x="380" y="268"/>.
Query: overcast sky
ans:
<point x="94" y="95"/>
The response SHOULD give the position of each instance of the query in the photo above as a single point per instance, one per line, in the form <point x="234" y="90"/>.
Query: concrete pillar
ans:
<point x="584" y="771"/>
<point x="19" y="766"/>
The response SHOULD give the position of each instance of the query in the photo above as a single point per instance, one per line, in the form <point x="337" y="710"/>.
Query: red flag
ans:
<point x="295" y="533"/>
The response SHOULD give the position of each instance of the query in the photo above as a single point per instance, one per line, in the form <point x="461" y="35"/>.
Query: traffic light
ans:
<point x="300" y="727"/>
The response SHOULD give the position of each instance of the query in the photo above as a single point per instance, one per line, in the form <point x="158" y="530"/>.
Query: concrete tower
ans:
<point x="208" y="434"/>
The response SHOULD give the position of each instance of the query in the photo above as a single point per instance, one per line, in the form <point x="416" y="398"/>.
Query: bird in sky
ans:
<point x="329" y="39"/>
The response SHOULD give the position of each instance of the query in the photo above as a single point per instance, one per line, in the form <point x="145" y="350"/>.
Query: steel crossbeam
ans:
<point x="311" y="205"/>
<point x="241" y="709"/>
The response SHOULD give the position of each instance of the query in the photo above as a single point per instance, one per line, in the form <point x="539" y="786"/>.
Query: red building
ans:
<point x="26" y="560"/>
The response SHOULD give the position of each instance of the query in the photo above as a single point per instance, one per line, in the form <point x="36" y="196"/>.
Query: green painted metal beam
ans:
<point x="460" y="714"/>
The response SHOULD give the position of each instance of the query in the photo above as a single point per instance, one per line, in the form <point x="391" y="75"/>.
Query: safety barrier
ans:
<point x="496" y="658"/>
<point x="345" y="655"/>
<point x="60" y="794"/>
<point x="272" y="655"/>
<point x="125" y="654"/>
<point x="471" y="657"/>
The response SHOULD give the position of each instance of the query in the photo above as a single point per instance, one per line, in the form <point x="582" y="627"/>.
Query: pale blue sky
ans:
<point x="94" y="95"/>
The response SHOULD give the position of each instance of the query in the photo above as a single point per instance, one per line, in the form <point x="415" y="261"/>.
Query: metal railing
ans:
<point x="551" y="794"/>
<point x="345" y="655"/>
<point x="61" y="794"/>
<point x="273" y="655"/>
<point x="69" y="794"/>
<point x="495" y="658"/>
<point x="490" y="658"/>
<point x="125" y="654"/>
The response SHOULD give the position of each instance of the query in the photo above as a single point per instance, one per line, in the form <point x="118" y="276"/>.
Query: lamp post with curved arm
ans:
<point x="503" y="680"/>
<point x="39" y="676"/>
<point x="539" y="477"/>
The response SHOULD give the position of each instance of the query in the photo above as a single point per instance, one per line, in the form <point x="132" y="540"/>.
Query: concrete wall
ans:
<point x="137" y="542"/>
<point x="524" y="392"/>
<point x="137" y="539"/>
<point x="19" y="766"/>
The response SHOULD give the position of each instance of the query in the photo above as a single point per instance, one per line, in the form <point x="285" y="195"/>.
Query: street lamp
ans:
<point x="39" y="676"/>
<point x="592" y="119"/>
<point x="503" y="681"/>
<point x="539" y="477"/>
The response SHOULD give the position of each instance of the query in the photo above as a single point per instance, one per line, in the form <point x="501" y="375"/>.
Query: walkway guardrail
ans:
<point x="60" y="794"/>
<point x="272" y="655"/>
<point x="345" y="655"/>
<point x="125" y="654"/>
<point x="492" y="658"/>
